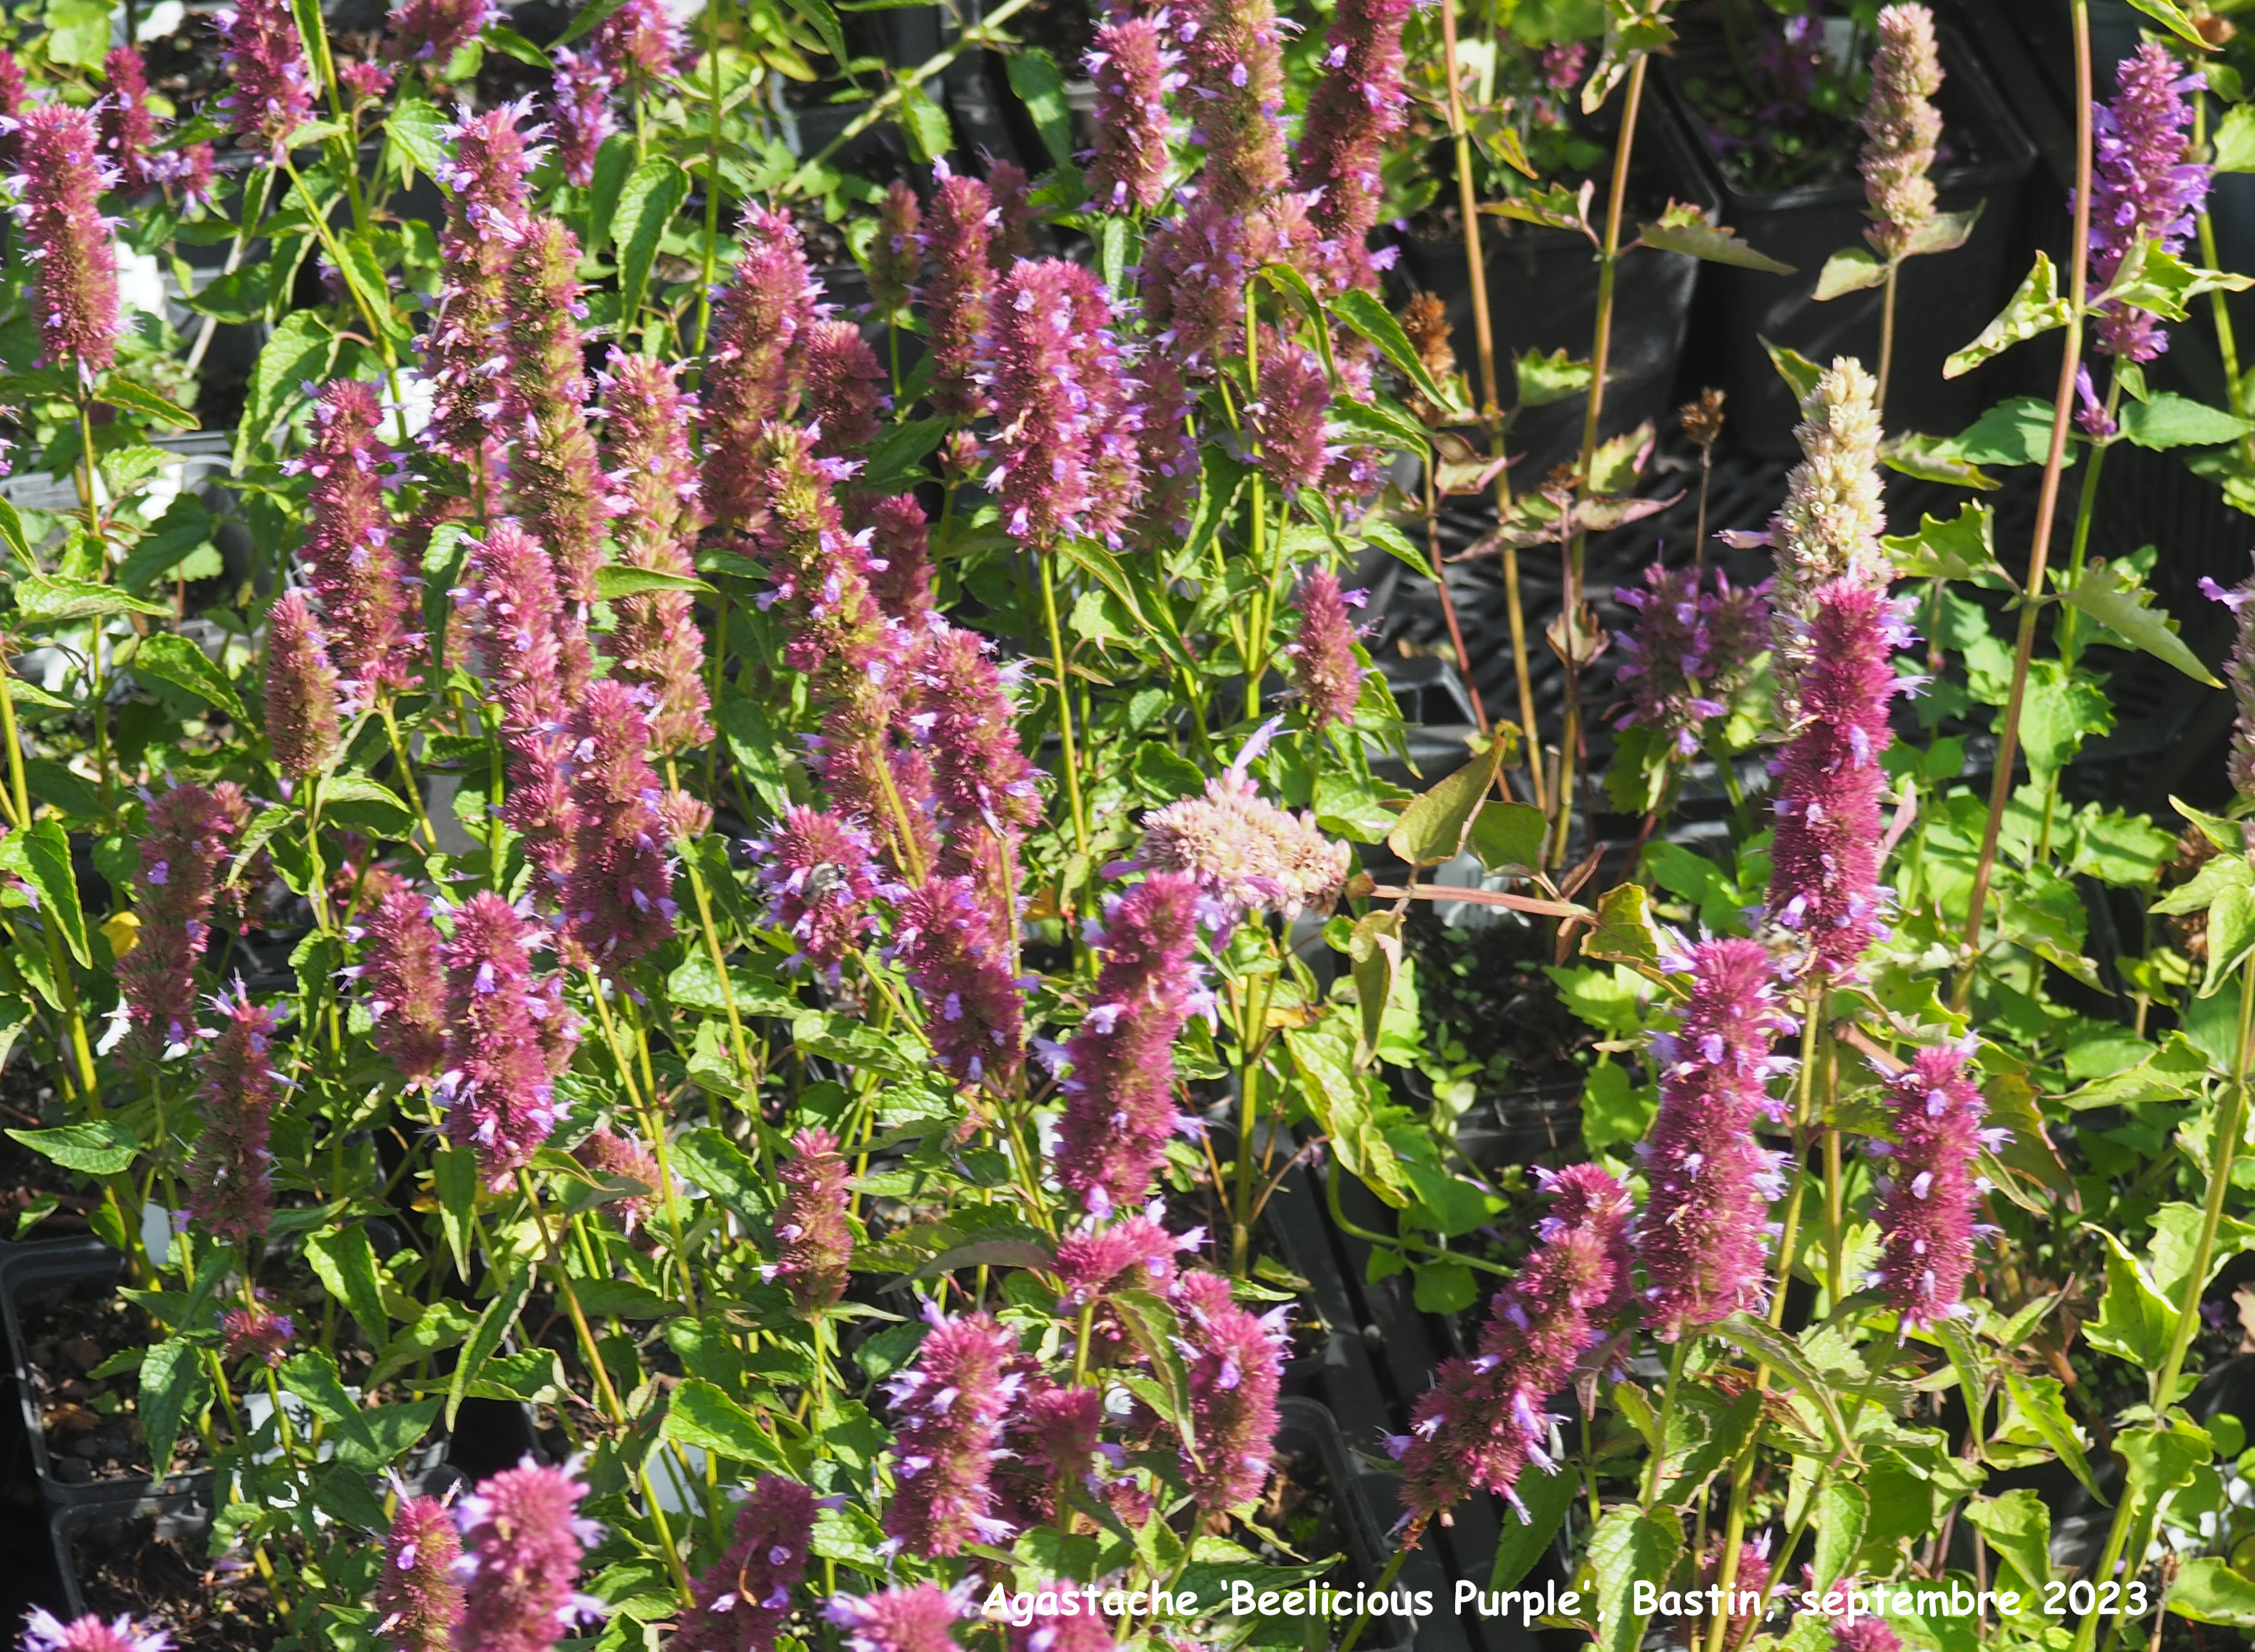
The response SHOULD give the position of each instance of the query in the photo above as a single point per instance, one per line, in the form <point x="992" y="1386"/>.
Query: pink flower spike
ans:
<point x="948" y="1409"/>
<point x="769" y="301"/>
<point x="1926" y="1217"/>
<point x="128" y="124"/>
<point x="744" y="1598"/>
<point x="960" y="966"/>
<point x="75" y="269"/>
<point x="896" y="257"/>
<point x="419" y="1594"/>
<point x="1352" y="110"/>
<point x="43" y="1632"/>
<point x="1133" y="71"/>
<point x="506" y="1039"/>
<point x="553" y="468"/>
<point x="351" y="559"/>
<point x="821" y="876"/>
<point x="581" y="99"/>
<point x="301" y="689"/>
<point x="618" y="897"/>
<point x="957" y="295"/>
<point x="229" y="1186"/>
<point x="1324" y="665"/>
<point x="188" y="834"/>
<point x="522" y="1542"/>
<point x="656" y="514"/>
<point x="432" y="31"/>
<point x="1236" y="1364"/>
<point x="919" y="1617"/>
<point x="817" y="1242"/>
<point x="269" y="89"/>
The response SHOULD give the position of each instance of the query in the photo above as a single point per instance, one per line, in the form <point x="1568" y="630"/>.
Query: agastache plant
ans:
<point x="43" y="1632"/>
<point x="1234" y="1361"/>
<point x="656" y="513"/>
<point x="948" y="1409"/>
<point x="1324" y="668"/>
<point x="1357" y="106"/>
<point x="914" y="1618"/>
<point x="817" y="1243"/>
<point x="270" y="93"/>
<point x="350" y="553"/>
<point x="1133" y="71"/>
<point x="74" y="270"/>
<point x="2146" y="185"/>
<point x="742" y="1602"/>
<point x="1830" y="526"/>
<point x="1926" y="1215"/>
<point x="419" y="1594"/>
<point x="771" y="300"/>
<point x="301" y="689"/>
<point x="229" y="1178"/>
<point x="523" y="1536"/>
<point x="128" y="124"/>
<point x="403" y="985"/>
<point x="504" y="1036"/>
<point x="188" y="833"/>
<point x="618" y="897"/>
<point x="822" y="881"/>
<point x="957" y="295"/>
<point x="1901" y="128"/>
<point x="554" y="469"/>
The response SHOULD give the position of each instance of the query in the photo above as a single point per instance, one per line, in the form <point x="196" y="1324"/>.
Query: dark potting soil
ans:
<point x="89" y="1425"/>
<point x="32" y="1181"/>
<point x="1485" y="991"/>
<point x="1302" y="1506"/>
<point x="164" y="1582"/>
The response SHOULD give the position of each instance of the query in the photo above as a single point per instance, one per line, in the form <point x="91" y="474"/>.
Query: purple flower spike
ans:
<point x="1133" y="71"/>
<point x="1353" y="110"/>
<point x="844" y="389"/>
<point x="463" y="351"/>
<point x="948" y="1409"/>
<point x="404" y="985"/>
<point x="128" y="124"/>
<point x="75" y="269"/>
<point x="350" y="556"/>
<point x="270" y="93"/>
<point x="580" y="100"/>
<point x="229" y="1182"/>
<point x="1065" y="456"/>
<point x="821" y="875"/>
<point x="638" y="41"/>
<point x="1288" y="421"/>
<point x="1135" y="1254"/>
<point x="1323" y="667"/>
<point x="1702" y="1238"/>
<point x="419" y="1594"/>
<point x="2144" y="183"/>
<point x="1013" y="214"/>
<point x="918" y="1619"/>
<point x="1119" y="1107"/>
<point x="255" y="1334"/>
<point x="1234" y="53"/>
<point x="2239" y="670"/>
<point x="43" y="1632"/>
<point x="618" y="901"/>
<point x="980" y="778"/>
<point x="1236" y="1363"/>
<point x="1052" y="1441"/>
<point x="957" y="295"/>
<point x="656" y="514"/>
<point x="897" y="256"/>
<point x="1866" y="1634"/>
<point x="14" y="89"/>
<point x="301" y="689"/>
<point x="188" y="834"/>
<point x="1689" y="651"/>
<point x="522" y="1541"/>
<point x="1824" y="868"/>
<point x="899" y="539"/>
<point x="743" y="1600"/>
<point x="1925" y="1216"/>
<point x="817" y="1243"/>
<point x="1482" y="1422"/>
<point x="506" y="1038"/>
<point x="960" y="966"/>
<point x="553" y="468"/>
<point x="758" y="321"/>
<point x="534" y="651"/>
<point x="607" y="1151"/>
<point x="432" y="31"/>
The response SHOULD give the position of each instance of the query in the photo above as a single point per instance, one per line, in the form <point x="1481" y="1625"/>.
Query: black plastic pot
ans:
<point x="1306" y="1429"/>
<point x="1543" y="295"/>
<point x="1520" y="1127"/>
<point x="1943" y="300"/>
<point x="183" y="1514"/>
<point x="47" y="1271"/>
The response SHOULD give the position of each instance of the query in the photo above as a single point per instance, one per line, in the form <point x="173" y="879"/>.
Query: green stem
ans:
<point x="1048" y="559"/>
<point x="2008" y="738"/>
<point x="1658" y="1466"/>
<point x="1410" y="1539"/>
<point x="1886" y="336"/>
<point x="712" y="179"/>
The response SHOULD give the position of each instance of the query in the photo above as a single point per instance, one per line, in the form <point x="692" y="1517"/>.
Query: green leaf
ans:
<point x="2016" y="431"/>
<point x="1851" y="270"/>
<point x="1544" y="379"/>
<point x="819" y="13"/>
<point x="1614" y="1107"/>
<point x="1364" y="313"/>
<point x="722" y="1168"/>
<point x="615" y="579"/>
<point x="1944" y="232"/>
<point x="1842" y="1509"/>
<point x="1624" y="934"/>
<point x="647" y="204"/>
<point x="439" y="1326"/>
<point x="311" y="1375"/>
<point x="1543" y="1501"/>
<point x="2134" y="1322"/>
<point x="1687" y="230"/>
<point x="1323" y="1056"/>
<point x="702" y="1415"/>
<point x="510" y="43"/>
<point x="174" y="1388"/>
<point x="614" y="161"/>
<point x="55" y="598"/>
<point x="2172" y="16"/>
<point x="96" y="1147"/>
<point x="926" y="126"/>
<point x="1432" y="828"/>
<point x="2038" y="1399"/>
<point x="1627" y="1549"/>
<point x="172" y="658"/>
<point x="2167" y="419"/>
<point x="1965" y="547"/>
<point x="46" y="862"/>
<point x="2235" y="140"/>
<point x="2231" y="933"/>
<point x="124" y="394"/>
<point x="1785" y="1358"/>
<point x="1934" y="459"/>
<point x="414" y="137"/>
<point x="587" y="19"/>
<point x="2177" y="1240"/>
<point x="493" y="1326"/>
<point x="1508" y="836"/>
<point x="1034" y="78"/>
<point x="454" y="1179"/>
<point x="2155" y="280"/>
<point x="12" y="532"/>
<point x="2113" y="595"/>
<point x="2207" y="1589"/>
<point x="2162" y="1457"/>
<point x="1151" y="1323"/>
<point x="2036" y="308"/>
<point x="2018" y="1526"/>
<point x="1797" y="371"/>
<point x="345" y="1262"/>
<point x="369" y="805"/>
<point x="1374" y="950"/>
<point x="299" y="351"/>
<point x="1383" y="421"/>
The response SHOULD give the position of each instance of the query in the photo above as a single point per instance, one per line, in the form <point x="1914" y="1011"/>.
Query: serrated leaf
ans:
<point x="1695" y="236"/>
<point x="1934" y="459"/>
<point x="1554" y="208"/>
<point x="2235" y="140"/>
<point x="652" y="193"/>
<point x="2230" y="934"/>
<point x="345" y="1262"/>
<point x="703" y="1416"/>
<point x="587" y="19"/>
<point x="45" y="848"/>
<point x="1365" y="314"/>
<point x="2167" y="419"/>
<point x="2036" y="309"/>
<point x="1785" y="1358"/>
<point x="2134" y="1322"/>
<point x="2172" y="16"/>
<point x="1851" y="270"/>
<point x="2113" y="595"/>
<point x="1964" y="547"/>
<point x="1944" y="232"/>
<point x="96" y="1147"/>
<point x="2207" y="1590"/>
<point x="1380" y="421"/>
<point x="1842" y="1509"/>
<point x="1544" y="379"/>
<point x="1432" y="828"/>
<point x="2018" y="1526"/>
<point x="414" y="137"/>
<point x="2015" y="431"/>
<point x="55" y="598"/>
<point x="311" y="1375"/>
<point x="124" y="394"/>
<point x="172" y="658"/>
<point x="1508" y="836"/>
<point x="174" y="1386"/>
<point x="1624" y="932"/>
<point x="1373" y="951"/>
<point x="1628" y="1548"/>
<point x="485" y="1341"/>
<point x="1540" y="1509"/>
